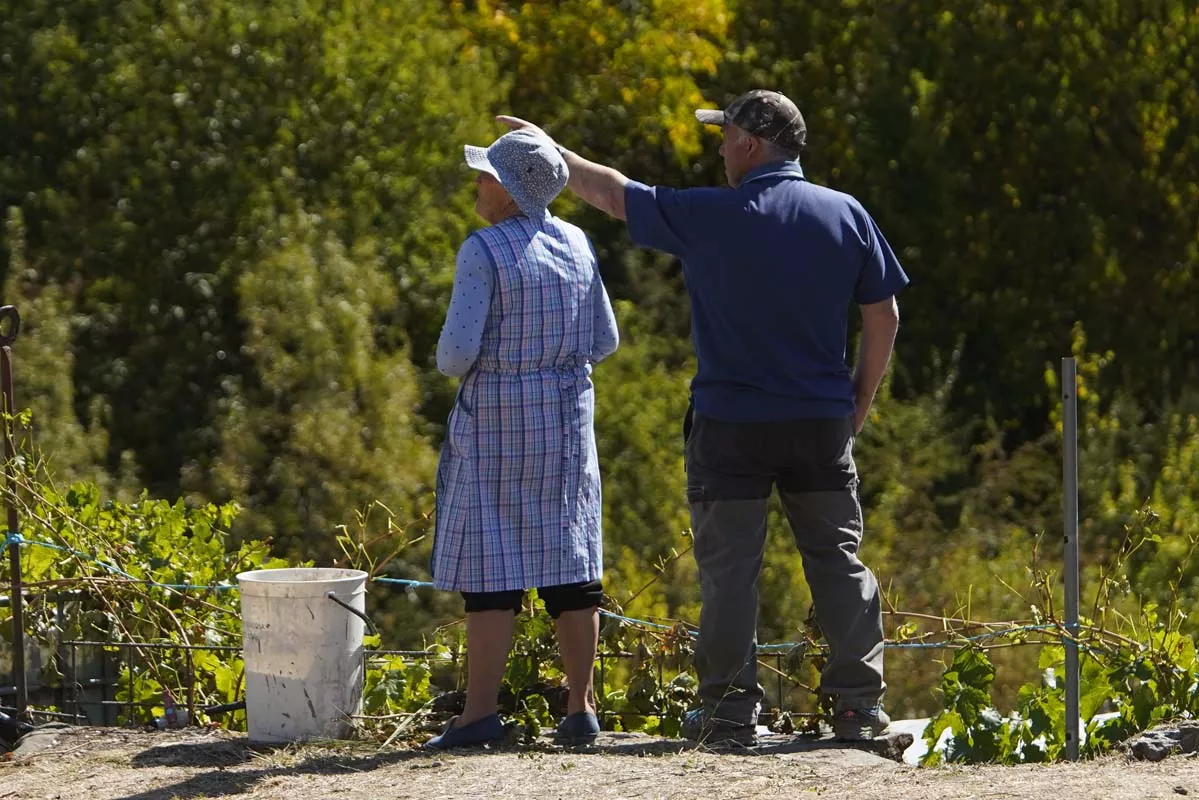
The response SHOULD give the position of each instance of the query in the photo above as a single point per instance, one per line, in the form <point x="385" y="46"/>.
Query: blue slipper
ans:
<point x="578" y="728"/>
<point x="481" y="731"/>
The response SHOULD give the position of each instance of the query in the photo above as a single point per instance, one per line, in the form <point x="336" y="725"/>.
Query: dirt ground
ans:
<point x="95" y="763"/>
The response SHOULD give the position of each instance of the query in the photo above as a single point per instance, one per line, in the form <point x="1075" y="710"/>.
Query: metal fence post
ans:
<point x="1070" y="518"/>
<point x="10" y="325"/>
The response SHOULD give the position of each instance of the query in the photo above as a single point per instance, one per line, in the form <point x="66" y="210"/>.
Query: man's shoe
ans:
<point x="860" y="724"/>
<point x="577" y="729"/>
<point x="699" y="726"/>
<point x="481" y="731"/>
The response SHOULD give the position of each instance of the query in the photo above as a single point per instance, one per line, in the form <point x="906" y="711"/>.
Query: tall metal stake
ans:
<point x="1070" y="516"/>
<point x="10" y="325"/>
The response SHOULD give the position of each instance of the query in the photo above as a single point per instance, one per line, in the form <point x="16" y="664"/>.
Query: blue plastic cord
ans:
<point x="404" y="582"/>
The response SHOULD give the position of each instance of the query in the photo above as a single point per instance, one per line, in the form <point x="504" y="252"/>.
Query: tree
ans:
<point x="619" y="82"/>
<point x="639" y="414"/>
<point x="151" y="148"/>
<point x="325" y="423"/>
<point x="43" y="371"/>
<point x="972" y="132"/>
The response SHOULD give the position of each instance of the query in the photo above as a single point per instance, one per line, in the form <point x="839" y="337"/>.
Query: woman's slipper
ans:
<point x="578" y="728"/>
<point x="482" y="731"/>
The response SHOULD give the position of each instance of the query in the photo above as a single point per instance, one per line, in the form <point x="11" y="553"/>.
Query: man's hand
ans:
<point x="518" y="124"/>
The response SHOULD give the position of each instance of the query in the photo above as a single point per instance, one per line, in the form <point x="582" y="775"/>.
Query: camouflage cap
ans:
<point x="765" y="114"/>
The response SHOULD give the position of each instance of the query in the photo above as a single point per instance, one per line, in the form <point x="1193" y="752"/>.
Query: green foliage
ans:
<point x="1138" y="667"/>
<point x="130" y="555"/>
<point x="968" y="714"/>
<point x="620" y="78"/>
<point x="394" y="686"/>
<point x="655" y="688"/>
<point x="151" y="150"/>
<point x="230" y="229"/>
<point x="1143" y="683"/>
<point x="640" y="403"/>
<point x="973" y="131"/>
<point x="325" y="423"/>
<point x="619" y="83"/>
<point x="117" y="551"/>
<point x="47" y="365"/>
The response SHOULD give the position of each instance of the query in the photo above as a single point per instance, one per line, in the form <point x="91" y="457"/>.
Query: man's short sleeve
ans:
<point x="881" y="275"/>
<point x="659" y="217"/>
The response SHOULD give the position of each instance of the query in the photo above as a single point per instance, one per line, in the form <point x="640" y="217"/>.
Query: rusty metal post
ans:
<point x="10" y="325"/>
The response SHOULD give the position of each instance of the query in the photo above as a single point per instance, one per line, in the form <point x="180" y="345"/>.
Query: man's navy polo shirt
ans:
<point x="772" y="268"/>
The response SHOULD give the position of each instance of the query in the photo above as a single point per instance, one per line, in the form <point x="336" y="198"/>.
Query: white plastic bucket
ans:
<point x="303" y="652"/>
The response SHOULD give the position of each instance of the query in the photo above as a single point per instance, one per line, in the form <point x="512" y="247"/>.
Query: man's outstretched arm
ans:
<point x="600" y="186"/>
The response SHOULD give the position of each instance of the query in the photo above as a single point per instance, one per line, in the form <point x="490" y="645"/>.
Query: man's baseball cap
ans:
<point x="529" y="166"/>
<point x="765" y="114"/>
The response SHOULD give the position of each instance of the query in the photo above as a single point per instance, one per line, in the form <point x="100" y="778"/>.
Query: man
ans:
<point x="772" y="264"/>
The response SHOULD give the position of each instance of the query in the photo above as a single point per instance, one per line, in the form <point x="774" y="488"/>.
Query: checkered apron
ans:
<point x="518" y="485"/>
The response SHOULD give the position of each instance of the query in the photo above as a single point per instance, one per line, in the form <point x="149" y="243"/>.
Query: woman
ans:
<point x="518" y="486"/>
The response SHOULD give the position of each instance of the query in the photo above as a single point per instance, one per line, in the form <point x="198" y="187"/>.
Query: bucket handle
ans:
<point x="369" y="625"/>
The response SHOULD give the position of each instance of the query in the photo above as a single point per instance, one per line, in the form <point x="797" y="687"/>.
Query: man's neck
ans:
<point x="771" y="167"/>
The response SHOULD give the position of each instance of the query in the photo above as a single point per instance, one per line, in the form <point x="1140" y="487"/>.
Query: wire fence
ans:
<point x="1000" y="629"/>
<point x="86" y="688"/>
<point x="82" y="676"/>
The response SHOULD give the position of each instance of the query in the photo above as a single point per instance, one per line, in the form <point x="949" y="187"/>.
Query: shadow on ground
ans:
<point x="227" y="761"/>
<point x="889" y="747"/>
<point x="234" y="766"/>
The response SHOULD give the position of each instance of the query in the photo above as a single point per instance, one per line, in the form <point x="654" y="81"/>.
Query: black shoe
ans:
<point x="701" y="727"/>
<point x="11" y="729"/>
<point x="860" y="724"/>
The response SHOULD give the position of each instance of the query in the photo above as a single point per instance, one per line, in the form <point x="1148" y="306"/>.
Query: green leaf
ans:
<point x="1094" y="689"/>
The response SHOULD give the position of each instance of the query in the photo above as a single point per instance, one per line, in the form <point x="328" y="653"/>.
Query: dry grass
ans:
<point x="95" y="763"/>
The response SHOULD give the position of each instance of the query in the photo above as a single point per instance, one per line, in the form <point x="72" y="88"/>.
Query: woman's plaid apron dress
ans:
<point x="518" y="484"/>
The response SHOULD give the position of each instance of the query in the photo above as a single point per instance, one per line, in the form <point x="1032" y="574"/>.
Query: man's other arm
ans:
<point x="880" y="322"/>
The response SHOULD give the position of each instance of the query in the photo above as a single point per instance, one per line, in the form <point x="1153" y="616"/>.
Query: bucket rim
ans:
<point x="279" y="575"/>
